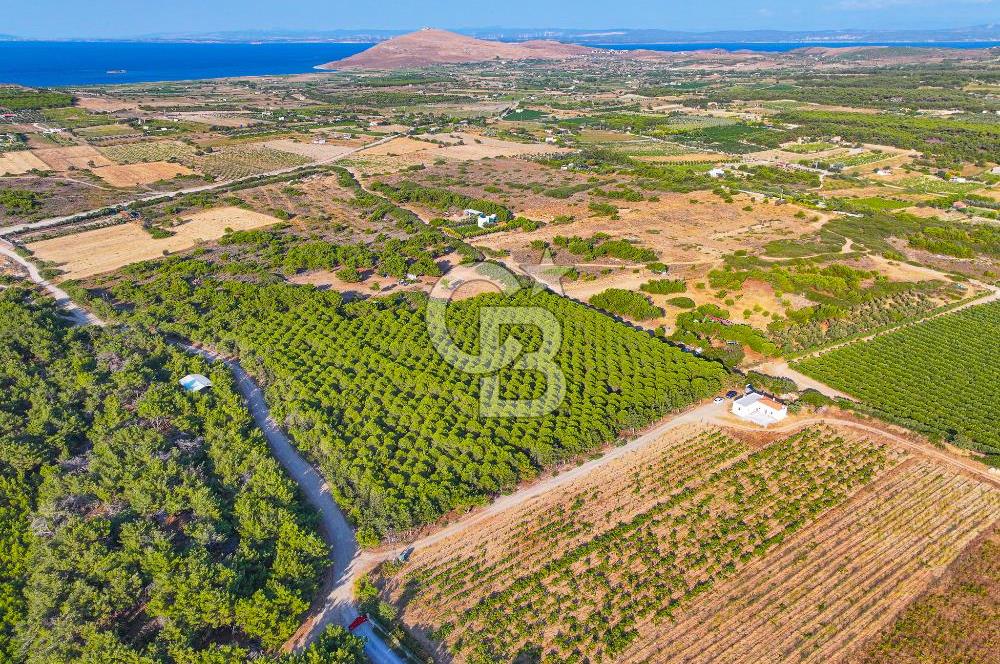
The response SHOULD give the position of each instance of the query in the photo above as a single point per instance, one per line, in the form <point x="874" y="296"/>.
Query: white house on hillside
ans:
<point x="760" y="409"/>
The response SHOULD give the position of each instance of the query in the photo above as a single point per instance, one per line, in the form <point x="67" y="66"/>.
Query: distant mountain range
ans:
<point x="656" y="36"/>
<point x="611" y="36"/>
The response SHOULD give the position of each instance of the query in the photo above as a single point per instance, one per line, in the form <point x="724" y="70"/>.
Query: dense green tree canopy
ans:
<point x="138" y="522"/>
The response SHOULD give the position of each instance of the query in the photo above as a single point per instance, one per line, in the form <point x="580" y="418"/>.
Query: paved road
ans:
<point x="339" y="606"/>
<point x="55" y="221"/>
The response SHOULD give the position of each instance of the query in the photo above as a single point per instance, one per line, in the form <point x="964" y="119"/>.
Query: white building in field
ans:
<point x="760" y="409"/>
<point x="481" y="218"/>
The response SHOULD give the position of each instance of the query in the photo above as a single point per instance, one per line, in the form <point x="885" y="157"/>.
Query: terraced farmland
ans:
<point x="603" y="569"/>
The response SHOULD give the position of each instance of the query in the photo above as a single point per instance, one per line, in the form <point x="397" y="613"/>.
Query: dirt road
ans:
<point x="79" y="315"/>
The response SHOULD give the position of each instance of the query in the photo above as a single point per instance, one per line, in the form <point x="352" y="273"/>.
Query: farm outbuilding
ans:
<point x="760" y="409"/>
<point x="195" y="382"/>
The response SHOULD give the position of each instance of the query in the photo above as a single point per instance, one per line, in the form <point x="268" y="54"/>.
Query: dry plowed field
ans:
<point x="78" y="156"/>
<point x="21" y="161"/>
<point x="703" y="547"/>
<point x="132" y="175"/>
<point x="106" y="249"/>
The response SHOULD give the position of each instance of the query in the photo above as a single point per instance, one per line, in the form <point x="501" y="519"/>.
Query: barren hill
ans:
<point x="431" y="47"/>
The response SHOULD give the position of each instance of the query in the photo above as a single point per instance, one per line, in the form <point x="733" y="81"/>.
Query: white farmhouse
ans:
<point x="481" y="218"/>
<point x="716" y="172"/>
<point x="760" y="409"/>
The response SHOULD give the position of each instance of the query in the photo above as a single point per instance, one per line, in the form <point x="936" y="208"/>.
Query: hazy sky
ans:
<point x="111" y="18"/>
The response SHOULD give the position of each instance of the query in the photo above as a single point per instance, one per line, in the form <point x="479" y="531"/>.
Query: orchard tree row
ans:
<point x="396" y="429"/>
<point x="941" y="376"/>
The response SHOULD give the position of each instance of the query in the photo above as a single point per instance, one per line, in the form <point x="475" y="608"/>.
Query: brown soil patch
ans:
<point x="143" y="173"/>
<point x="105" y="104"/>
<point x="78" y="156"/>
<point x="21" y="161"/>
<point x="960" y="614"/>
<point x="106" y="249"/>
<point x="678" y="229"/>
<point x="313" y="151"/>
<point x="405" y="151"/>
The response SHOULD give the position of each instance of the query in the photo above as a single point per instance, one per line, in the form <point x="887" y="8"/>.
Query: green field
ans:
<point x="809" y="148"/>
<point x="942" y="376"/>
<point x="74" y="118"/>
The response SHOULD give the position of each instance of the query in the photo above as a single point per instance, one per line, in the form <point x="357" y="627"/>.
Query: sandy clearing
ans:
<point x="21" y="161"/>
<point x="78" y="156"/>
<point x="106" y="249"/>
<point x="141" y="173"/>
<point x="310" y="150"/>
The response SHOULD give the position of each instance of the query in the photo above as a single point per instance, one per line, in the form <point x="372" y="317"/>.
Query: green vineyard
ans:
<point x="941" y="377"/>
<point x="580" y="580"/>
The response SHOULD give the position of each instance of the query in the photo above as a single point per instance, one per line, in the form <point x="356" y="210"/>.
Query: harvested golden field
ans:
<point x="21" y="161"/>
<point x="131" y="175"/>
<point x="707" y="545"/>
<point x="106" y="249"/>
<point x="78" y="156"/>
<point x="105" y="104"/>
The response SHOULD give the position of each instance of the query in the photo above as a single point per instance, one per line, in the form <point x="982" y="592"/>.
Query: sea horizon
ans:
<point x="105" y="62"/>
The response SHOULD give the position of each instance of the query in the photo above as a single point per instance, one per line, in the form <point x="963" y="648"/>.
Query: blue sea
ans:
<point x="88" y="63"/>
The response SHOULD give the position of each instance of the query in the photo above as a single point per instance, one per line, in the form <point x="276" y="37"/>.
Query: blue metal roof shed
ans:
<point x="195" y="382"/>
